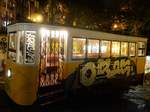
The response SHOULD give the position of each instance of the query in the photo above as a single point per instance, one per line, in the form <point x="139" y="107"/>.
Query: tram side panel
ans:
<point x="21" y="78"/>
<point x="135" y="67"/>
<point x="22" y="86"/>
<point x="140" y="69"/>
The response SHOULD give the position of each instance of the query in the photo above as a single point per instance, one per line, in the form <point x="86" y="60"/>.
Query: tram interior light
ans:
<point x="53" y="33"/>
<point x="45" y="32"/>
<point x="57" y="34"/>
<point x="64" y="33"/>
<point x="103" y="49"/>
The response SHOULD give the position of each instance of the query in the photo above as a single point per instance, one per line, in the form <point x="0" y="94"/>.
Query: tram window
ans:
<point x="105" y="48"/>
<point x="124" y="48"/>
<point x="78" y="48"/>
<point x="12" y="41"/>
<point x="141" y="48"/>
<point x="93" y="48"/>
<point x="12" y="46"/>
<point x="132" y="48"/>
<point x="115" y="49"/>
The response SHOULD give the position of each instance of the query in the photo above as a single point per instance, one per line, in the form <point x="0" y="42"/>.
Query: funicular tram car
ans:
<point x="41" y="57"/>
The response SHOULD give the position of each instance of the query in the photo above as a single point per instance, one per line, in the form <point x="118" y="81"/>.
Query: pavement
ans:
<point x="7" y="105"/>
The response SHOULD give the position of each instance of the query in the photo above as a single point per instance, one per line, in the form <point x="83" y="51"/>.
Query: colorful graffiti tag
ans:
<point x="108" y="68"/>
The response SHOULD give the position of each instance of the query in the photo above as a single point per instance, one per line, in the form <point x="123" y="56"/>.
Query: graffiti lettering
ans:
<point x="30" y="46"/>
<point x="112" y="67"/>
<point x="108" y="67"/>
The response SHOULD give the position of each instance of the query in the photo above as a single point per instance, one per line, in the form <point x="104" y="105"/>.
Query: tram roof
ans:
<point x="86" y="32"/>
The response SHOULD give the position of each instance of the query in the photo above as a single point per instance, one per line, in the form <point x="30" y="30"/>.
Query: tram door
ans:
<point x="51" y="59"/>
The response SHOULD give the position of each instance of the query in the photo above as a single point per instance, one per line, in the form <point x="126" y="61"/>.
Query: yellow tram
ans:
<point x="43" y="56"/>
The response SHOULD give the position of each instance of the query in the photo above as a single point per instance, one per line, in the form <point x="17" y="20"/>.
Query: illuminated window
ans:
<point x="12" y="41"/>
<point x="115" y="49"/>
<point x="12" y="46"/>
<point x="78" y="48"/>
<point x="132" y="49"/>
<point x="20" y="55"/>
<point x="141" y="49"/>
<point x="124" y="48"/>
<point x="93" y="48"/>
<point x="105" y="48"/>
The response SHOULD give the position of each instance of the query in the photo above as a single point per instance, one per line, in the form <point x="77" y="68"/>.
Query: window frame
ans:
<point x="129" y="49"/>
<point x="143" y="49"/>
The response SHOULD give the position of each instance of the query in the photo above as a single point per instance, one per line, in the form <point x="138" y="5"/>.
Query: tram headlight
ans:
<point x="9" y="73"/>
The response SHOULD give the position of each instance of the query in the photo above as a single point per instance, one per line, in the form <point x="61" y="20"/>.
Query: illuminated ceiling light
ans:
<point x="44" y="32"/>
<point x="52" y="33"/>
<point x="57" y="34"/>
<point x="64" y="33"/>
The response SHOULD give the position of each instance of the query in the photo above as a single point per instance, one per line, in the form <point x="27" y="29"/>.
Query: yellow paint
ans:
<point x="69" y="68"/>
<point x="22" y="87"/>
<point x="140" y="65"/>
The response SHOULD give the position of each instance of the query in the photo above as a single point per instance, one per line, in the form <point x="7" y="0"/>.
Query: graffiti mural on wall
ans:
<point x="108" y="68"/>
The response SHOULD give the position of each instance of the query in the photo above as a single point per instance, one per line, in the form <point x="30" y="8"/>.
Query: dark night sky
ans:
<point x="103" y="3"/>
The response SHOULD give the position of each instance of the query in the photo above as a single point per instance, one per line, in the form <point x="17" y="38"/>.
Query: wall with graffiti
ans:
<point x="107" y="68"/>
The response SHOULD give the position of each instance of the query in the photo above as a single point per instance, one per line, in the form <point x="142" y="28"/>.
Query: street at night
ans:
<point x="138" y="101"/>
<point x="74" y="56"/>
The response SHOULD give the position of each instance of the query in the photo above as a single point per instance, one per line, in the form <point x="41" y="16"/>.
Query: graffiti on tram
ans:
<point x="30" y="46"/>
<point x="108" y="68"/>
